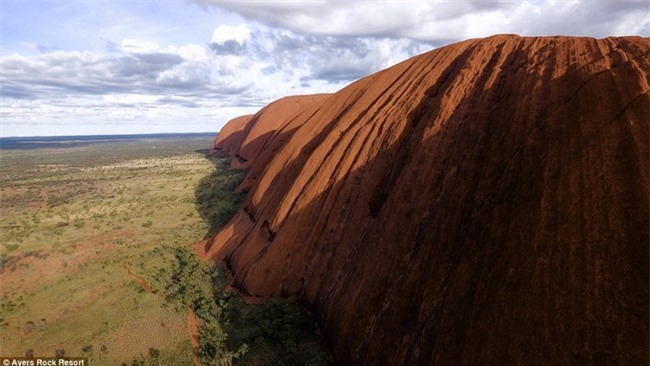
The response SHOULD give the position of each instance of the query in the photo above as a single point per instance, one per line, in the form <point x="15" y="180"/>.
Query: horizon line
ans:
<point x="111" y="134"/>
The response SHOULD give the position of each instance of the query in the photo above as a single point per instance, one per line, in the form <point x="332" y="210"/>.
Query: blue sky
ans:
<point x="111" y="67"/>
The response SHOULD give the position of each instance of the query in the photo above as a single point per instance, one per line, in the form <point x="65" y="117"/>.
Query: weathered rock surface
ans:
<point x="485" y="203"/>
<point x="232" y="135"/>
<point x="245" y="137"/>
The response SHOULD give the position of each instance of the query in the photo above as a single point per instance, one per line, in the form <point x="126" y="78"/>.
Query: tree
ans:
<point x="87" y="350"/>
<point x="104" y="350"/>
<point x="154" y="353"/>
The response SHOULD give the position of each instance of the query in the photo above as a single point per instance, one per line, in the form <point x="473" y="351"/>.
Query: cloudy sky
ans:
<point x="142" y="66"/>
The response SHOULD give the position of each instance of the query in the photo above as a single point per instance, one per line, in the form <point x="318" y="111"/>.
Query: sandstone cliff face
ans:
<point x="232" y="135"/>
<point x="245" y="137"/>
<point x="483" y="203"/>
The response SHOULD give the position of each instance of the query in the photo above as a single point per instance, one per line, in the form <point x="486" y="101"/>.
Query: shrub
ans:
<point x="232" y="332"/>
<point x="87" y="350"/>
<point x="154" y="352"/>
<point x="11" y="247"/>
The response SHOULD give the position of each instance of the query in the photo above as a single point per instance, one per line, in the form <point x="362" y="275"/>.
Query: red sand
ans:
<point x="193" y="328"/>
<point x="136" y="278"/>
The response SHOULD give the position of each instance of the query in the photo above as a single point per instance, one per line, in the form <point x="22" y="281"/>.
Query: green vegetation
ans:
<point x="215" y="200"/>
<point x="231" y="331"/>
<point x="71" y="217"/>
<point x="77" y="220"/>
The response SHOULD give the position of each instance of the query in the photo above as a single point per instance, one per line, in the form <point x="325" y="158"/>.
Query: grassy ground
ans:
<point x="96" y="261"/>
<point x="70" y="217"/>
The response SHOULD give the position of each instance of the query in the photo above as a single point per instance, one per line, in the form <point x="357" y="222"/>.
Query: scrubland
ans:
<point x="80" y="225"/>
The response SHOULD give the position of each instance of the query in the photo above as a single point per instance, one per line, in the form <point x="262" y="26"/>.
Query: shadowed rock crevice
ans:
<point x="240" y="159"/>
<point x="483" y="203"/>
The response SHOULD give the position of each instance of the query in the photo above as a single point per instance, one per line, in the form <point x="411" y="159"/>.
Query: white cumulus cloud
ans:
<point x="443" y="21"/>
<point x="169" y="66"/>
<point x="224" y="33"/>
